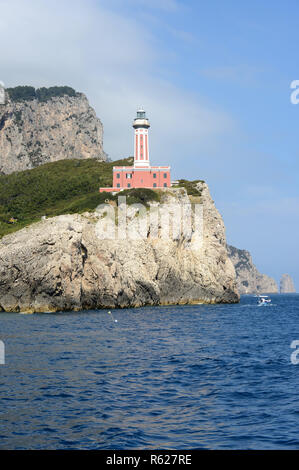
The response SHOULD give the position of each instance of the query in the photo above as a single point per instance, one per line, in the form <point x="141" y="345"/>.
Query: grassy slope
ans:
<point x="66" y="186"/>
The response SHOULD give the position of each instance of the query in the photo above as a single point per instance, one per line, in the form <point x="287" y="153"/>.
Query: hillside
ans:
<point x="43" y="125"/>
<point x="66" y="186"/>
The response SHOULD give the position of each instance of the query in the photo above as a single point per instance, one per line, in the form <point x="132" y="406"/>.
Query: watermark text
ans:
<point x="2" y="353"/>
<point x="294" y="355"/>
<point x="2" y="93"/>
<point x="295" y="94"/>
<point x="176" y="221"/>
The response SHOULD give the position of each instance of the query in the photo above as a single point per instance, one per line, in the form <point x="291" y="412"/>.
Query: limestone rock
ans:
<point x="66" y="263"/>
<point x="287" y="285"/>
<point x="249" y="279"/>
<point x="34" y="132"/>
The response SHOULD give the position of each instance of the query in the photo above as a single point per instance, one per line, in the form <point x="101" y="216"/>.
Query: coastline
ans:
<point x="65" y="263"/>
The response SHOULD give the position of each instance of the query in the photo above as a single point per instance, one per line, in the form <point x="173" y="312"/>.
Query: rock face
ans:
<point x="34" y="132"/>
<point x="249" y="280"/>
<point x="287" y="285"/>
<point x="69" y="262"/>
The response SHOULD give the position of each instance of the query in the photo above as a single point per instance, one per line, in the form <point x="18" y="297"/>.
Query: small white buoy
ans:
<point x="115" y="321"/>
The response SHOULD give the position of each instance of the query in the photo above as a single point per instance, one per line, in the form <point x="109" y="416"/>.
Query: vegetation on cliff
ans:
<point x="63" y="187"/>
<point x="28" y="93"/>
<point x="190" y="186"/>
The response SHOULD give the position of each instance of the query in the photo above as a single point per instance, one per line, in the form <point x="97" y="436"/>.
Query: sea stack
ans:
<point x="287" y="285"/>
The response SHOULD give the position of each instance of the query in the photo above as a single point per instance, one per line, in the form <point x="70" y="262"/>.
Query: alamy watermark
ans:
<point x="295" y="94"/>
<point x="2" y="93"/>
<point x="294" y="355"/>
<point x="2" y="353"/>
<point x="177" y="221"/>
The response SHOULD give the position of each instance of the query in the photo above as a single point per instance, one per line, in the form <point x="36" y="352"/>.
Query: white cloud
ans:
<point x="114" y="60"/>
<point x="42" y="35"/>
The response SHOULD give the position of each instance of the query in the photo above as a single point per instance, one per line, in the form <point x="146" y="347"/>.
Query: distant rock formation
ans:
<point x="46" y="125"/>
<point x="287" y="285"/>
<point x="249" y="279"/>
<point x="64" y="263"/>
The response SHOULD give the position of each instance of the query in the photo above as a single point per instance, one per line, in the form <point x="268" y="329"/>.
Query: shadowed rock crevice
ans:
<point x="84" y="254"/>
<point x="3" y="119"/>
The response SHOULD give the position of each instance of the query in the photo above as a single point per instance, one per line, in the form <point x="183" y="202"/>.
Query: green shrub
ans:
<point x="190" y="186"/>
<point x="45" y="94"/>
<point x="140" y="196"/>
<point x="27" y="93"/>
<point x="21" y="93"/>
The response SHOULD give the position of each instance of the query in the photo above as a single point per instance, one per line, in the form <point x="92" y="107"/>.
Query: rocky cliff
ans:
<point x="42" y="128"/>
<point x="287" y="285"/>
<point x="249" y="279"/>
<point x="72" y="262"/>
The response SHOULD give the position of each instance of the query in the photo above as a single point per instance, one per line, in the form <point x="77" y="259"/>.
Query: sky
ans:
<point x="215" y="79"/>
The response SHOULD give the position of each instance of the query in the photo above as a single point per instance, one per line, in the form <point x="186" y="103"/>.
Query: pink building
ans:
<point x="141" y="175"/>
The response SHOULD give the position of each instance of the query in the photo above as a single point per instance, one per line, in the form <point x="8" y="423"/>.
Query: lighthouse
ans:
<point x="142" y="174"/>
<point x="141" y="151"/>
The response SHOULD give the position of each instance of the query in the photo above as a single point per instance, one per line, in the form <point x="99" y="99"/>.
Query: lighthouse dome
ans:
<point x="141" y="113"/>
<point x="141" y="119"/>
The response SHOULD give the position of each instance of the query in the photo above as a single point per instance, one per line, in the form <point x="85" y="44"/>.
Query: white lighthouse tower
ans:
<point x="141" y="145"/>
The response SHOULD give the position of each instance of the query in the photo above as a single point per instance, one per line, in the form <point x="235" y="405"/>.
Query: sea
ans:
<point x="173" y="377"/>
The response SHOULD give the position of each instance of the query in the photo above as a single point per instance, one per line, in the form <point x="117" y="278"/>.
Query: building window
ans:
<point x="117" y="175"/>
<point x="129" y="185"/>
<point x="129" y="176"/>
<point x="118" y="185"/>
<point x="165" y="185"/>
<point x="155" y="185"/>
<point x="155" y="175"/>
<point x="165" y="175"/>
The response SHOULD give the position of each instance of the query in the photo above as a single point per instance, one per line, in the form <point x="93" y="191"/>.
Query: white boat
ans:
<point x="264" y="300"/>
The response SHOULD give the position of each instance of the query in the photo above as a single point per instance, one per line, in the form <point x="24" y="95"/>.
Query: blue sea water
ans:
<point x="177" y="377"/>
